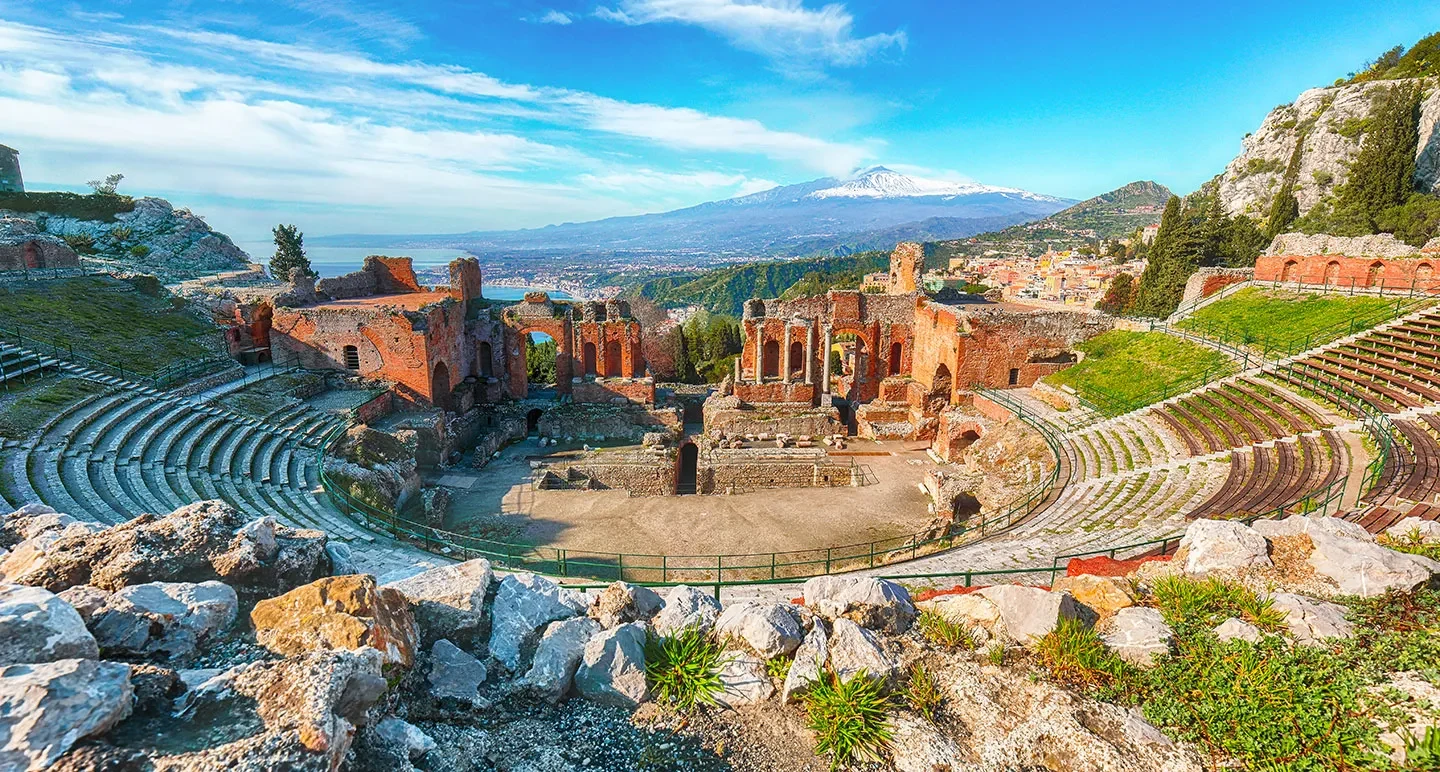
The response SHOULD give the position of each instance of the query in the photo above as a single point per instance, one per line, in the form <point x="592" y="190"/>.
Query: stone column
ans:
<point x="825" y="360"/>
<point x="785" y="355"/>
<point x="737" y="369"/>
<point x="809" y="354"/>
<point x="760" y="351"/>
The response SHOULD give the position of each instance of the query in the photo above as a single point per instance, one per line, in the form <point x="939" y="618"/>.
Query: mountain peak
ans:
<point x="882" y="182"/>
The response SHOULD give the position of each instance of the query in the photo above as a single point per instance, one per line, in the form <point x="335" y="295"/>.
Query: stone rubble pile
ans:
<point x="203" y="640"/>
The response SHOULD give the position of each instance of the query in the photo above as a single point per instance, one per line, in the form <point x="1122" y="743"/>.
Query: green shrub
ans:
<point x="996" y="654"/>
<point x="81" y="243"/>
<point x="1076" y="657"/>
<point x="941" y="632"/>
<point x="81" y="207"/>
<point x="923" y="693"/>
<point x="1413" y="543"/>
<point x="1423" y="753"/>
<point x="849" y="718"/>
<point x="139" y="250"/>
<point x="1204" y="603"/>
<point x="121" y="233"/>
<point x="1322" y="177"/>
<point x="684" y="669"/>
<point x="778" y="666"/>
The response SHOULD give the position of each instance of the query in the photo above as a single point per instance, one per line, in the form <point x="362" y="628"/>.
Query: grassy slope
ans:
<point x="1129" y="365"/>
<point x="1284" y="319"/>
<point x="725" y="290"/>
<point x="27" y="411"/>
<point x="102" y="320"/>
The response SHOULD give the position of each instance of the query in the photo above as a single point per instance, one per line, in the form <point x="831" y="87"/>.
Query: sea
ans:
<point x="337" y="261"/>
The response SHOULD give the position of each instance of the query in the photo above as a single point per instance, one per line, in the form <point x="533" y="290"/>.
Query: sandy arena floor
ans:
<point x="498" y="502"/>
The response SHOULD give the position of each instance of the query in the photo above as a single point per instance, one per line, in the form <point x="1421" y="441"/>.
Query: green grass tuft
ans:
<point x="923" y="693"/>
<point x="684" y="669"/>
<point x="849" y="718"/>
<point x="1075" y="656"/>
<point x="943" y="633"/>
<point x="1205" y="603"/>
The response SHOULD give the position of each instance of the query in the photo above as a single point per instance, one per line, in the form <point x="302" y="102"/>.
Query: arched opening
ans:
<point x="1424" y="272"/>
<point x="1374" y="275"/>
<point x="260" y="326"/>
<point x="770" y="360"/>
<point x="532" y="421"/>
<point x="440" y="386"/>
<point x="1287" y="271"/>
<point x="896" y="352"/>
<point x="797" y="359"/>
<point x="967" y="438"/>
<point x="32" y="255"/>
<point x="587" y="355"/>
<point x="1332" y="272"/>
<point x="612" y="359"/>
<point x="688" y="472"/>
<point x="843" y="409"/>
<point x="541" y="355"/>
<point x="942" y="382"/>
<point x="485" y="360"/>
<point x="352" y="358"/>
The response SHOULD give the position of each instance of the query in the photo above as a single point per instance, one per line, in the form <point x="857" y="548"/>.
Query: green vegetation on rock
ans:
<point x="27" y="410"/>
<point x="95" y="206"/>
<point x="109" y="320"/>
<point x="1127" y="370"/>
<point x="684" y="669"/>
<point x="1421" y="61"/>
<point x="1274" y="320"/>
<point x="1193" y="234"/>
<point x="725" y="290"/>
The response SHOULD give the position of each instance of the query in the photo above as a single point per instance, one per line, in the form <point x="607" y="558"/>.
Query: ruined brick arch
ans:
<point x="379" y="344"/>
<point x="963" y="436"/>
<point x="796" y="361"/>
<point x="770" y="359"/>
<point x="1332" y="272"/>
<point x="866" y="347"/>
<point x="32" y="256"/>
<point x="260" y="323"/>
<point x="588" y="358"/>
<point x="1375" y="274"/>
<point x="1287" y="271"/>
<point x="440" y="386"/>
<point x="1424" y="272"/>
<point x="613" y="359"/>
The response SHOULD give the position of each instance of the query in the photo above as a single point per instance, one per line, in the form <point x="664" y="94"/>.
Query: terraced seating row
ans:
<point x="1236" y="414"/>
<point x="1118" y="445"/>
<point x="1378" y="519"/>
<point x="1394" y="368"/>
<point x="1266" y="478"/>
<point x="1415" y="471"/>
<point x="112" y="456"/>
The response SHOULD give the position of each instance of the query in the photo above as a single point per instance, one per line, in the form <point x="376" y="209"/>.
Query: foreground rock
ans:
<point x="1102" y="594"/>
<point x="46" y="708"/>
<point x="612" y="670"/>
<point x="1221" y="545"/>
<point x="622" y="603"/>
<point x="768" y="629"/>
<point x="855" y="650"/>
<point x="1348" y="556"/>
<point x="558" y="656"/>
<point x="1138" y="635"/>
<point x="168" y="619"/>
<point x="524" y="604"/>
<point x="743" y="680"/>
<point x="36" y="626"/>
<point x="1312" y="622"/>
<point x="195" y="543"/>
<point x="339" y="612"/>
<point x="686" y="607"/>
<point x="876" y="604"/>
<point x="808" y="664"/>
<point x="449" y="601"/>
<point x="299" y="713"/>
<point x="454" y="675"/>
<point x="1030" y="613"/>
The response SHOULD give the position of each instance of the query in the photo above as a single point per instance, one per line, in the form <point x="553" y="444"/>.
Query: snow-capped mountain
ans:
<point x="879" y="182"/>
<point x="875" y="206"/>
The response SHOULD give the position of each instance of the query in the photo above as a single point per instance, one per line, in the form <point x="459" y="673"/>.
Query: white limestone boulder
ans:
<point x="876" y="604"/>
<point x="524" y="604"/>
<point x="1426" y="531"/>
<point x="1030" y="613"/>
<point x="1312" y="622"/>
<point x="808" y="664"/>
<point x="29" y="561"/>
<point x="342" y="561"/>
<point x="1138" y="635"/>
<point x="558" y="656"/>
<point x="1234" y="629"/>
<point x="1102" y="594"/>
<point x="768" y="629"/>
<point x="455" y="675"/>
<point x="85" y="598"/>
<point x="973" y="611"/>
<point x="36" y="626"/>
<point x="405" y="736"/>
<point x="743" y="680"/>
<point x="854" y="649"/>
<point x="449" y="601"/>
<point x="917" y="745"/>
<point x="46" y="708"/>
<point x="612" y="671"/>
<point x="1221" y="545"/>
<point x="169" y="618"/>
<point x="622" y="603"/>
<point x="686" y="607"/>
<point x="1347" y="555"/>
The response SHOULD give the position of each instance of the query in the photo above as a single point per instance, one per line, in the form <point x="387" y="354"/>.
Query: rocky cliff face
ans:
<point x="1330" y="124"/>
<point x="153" y="238"/>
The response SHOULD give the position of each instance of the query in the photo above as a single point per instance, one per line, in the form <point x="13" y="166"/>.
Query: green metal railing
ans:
<point x="160" y="379"/>
<point x="720" y="569"/>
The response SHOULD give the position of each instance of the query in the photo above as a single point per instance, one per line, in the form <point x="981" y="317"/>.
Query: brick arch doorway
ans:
<point x="613" y="359"/>
<point x="440" y="386"/>
<point x="687" y="470"/>
<point x="532" y="421"/>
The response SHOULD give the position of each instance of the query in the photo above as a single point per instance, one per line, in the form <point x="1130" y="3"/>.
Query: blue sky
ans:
<point x="428" y="116"/>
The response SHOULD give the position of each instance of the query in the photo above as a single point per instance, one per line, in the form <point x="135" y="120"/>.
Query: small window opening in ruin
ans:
<point x="588" y="355"/>
<point x="770" y="360"/>
<point x="967" y="438"/>
<point x="352" y="358"/>
<point x="532" y="421"/>
<point x="797" y="358"/>
<point x="1014" y="376"/>
<point x="1374" y="276"/>
<point x="896" y="352"/>
<point x="612" y="359"/>
<point x="1287" y="272"/>
<point x="688" y="472"/>
<point x="487" y="360"/>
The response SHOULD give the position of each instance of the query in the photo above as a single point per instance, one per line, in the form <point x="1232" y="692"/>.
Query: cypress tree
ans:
<point x="289" y="252"/>
<point x="1173" y="258"/>
<point x="1118" y="296"/>
<point x="1383" y="172"/>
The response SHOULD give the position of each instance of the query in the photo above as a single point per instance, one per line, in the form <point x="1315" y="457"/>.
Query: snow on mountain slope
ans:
<point x="880" y="182"/>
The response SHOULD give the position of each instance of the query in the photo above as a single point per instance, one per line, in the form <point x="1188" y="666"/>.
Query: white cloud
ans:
<point x="650" y="179"/>
<point x="780" y="29"/>
<point x="553" y="16"/>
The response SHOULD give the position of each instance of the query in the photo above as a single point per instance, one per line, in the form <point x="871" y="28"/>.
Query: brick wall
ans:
<point x="1392" y="273"/>
<point x="638" y="391"/>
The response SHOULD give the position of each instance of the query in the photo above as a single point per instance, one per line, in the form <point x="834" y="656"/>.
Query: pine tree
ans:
<point x="1118" y="296"/>
<point x="1173" y="257"/>
<point x="1383" y="172"/>
<point x="289" y="252"/>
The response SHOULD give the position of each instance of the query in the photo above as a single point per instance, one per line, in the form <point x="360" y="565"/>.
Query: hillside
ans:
<point x="725" y="290"/>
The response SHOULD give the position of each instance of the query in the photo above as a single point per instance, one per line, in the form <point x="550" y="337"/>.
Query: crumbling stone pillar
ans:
<point x="785" y="356"/>
<point x="759" y="352"/>
<point x="825" y="368"/>
<point x="809" y="354"/>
